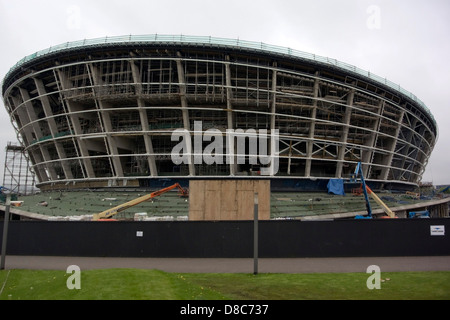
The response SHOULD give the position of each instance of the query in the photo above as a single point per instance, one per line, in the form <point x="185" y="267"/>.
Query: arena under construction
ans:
<point x="100" y="112"/>
<point x="100" y="115"/>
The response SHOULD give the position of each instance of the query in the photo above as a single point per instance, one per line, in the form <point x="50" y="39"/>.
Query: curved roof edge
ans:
<point x="212" y="41"/>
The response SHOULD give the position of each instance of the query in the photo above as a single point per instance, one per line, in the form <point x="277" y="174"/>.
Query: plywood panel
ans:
<point x="263" y="214"/>
<point x="226" y="215"/>
<point x="245" y="185"/>
<point x="212" y="185"/>
<point x="196" y="195"/>
<point x="228" y="199"/>
<point x="263" y="189"/>
<point x="245" y="205"/>
<point x="212" y="204"/>
<point x="196" y="215"/>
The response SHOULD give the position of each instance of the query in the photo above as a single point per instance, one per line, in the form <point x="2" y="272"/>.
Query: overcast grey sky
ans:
<point x="405" y="41"/>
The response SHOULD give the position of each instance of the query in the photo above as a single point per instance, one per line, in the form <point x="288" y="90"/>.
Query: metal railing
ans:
<point x="213" y="41"/>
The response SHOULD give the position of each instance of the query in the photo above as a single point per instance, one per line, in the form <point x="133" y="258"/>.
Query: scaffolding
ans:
<point x="17" y="174"/>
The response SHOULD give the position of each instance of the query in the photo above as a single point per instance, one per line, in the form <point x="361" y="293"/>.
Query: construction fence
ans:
<point x="231" y="239"/>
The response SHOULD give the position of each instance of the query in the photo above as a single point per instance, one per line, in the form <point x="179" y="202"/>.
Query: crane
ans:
<point x="113" y="211"/>
<point x="367" y="191"/>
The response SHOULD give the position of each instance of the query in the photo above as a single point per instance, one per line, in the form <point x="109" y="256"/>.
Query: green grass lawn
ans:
<point x="139" y="284"/>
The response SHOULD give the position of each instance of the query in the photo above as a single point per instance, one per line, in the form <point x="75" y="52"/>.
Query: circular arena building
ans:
<point x="101" y="113"/>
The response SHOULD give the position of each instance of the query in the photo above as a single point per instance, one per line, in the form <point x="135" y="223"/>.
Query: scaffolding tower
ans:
<point x="17" y="175"/>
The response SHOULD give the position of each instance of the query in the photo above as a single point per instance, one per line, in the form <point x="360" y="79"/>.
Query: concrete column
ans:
<point x="31" y="114"/>
<point x="110" y="142"/>
<point x="27" y="134"/>
<point x="75" y="120"/>
<point x="44" y="152"/>
<point x="46" y="106"/>
<point x="409" y="138"/>
<point x="52" y="125"/>
<point x="345" y="129"/>
<point x="230" y="117"/>
<point x="184" y="108"/>
<point x="144" y="120"/>
<point x="147" y="138"/>
<point x="274" y="98"/>
<point x="312" y="127"/>
<point x="24" y="120"/>
<point x="273" y="118"/>
<point x="372" y="140"/>
<point x="385" y="171"/>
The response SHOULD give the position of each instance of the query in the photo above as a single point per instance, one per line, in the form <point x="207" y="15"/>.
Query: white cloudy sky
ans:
<point x="405" y="41"/>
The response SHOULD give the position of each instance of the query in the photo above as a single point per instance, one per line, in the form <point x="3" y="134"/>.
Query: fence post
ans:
<point x="255" y="235"/>
<point x="5" y="231"/>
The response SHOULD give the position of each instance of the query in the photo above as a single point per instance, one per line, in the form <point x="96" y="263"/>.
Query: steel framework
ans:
<point x="17" y="174"/>
<point x="101" y="112"/>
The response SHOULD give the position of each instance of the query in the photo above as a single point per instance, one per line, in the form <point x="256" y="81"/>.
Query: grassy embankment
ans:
<point x="137" y="284"/>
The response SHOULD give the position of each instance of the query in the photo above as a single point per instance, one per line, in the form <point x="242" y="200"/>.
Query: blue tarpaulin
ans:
<point x="336" y="186"/>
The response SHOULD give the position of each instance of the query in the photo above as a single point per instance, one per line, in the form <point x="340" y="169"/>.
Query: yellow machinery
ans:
<point x="386" y="209"/>
<point x="107" y="214"/>
<point x="367" y="191"/>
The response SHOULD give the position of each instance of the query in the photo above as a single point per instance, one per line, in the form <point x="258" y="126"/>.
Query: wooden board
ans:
<point x="228" y="199"/>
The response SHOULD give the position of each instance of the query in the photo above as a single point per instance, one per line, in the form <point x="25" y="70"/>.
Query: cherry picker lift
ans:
<point x="367" y="191"/>
<point x="107" y="214"/>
